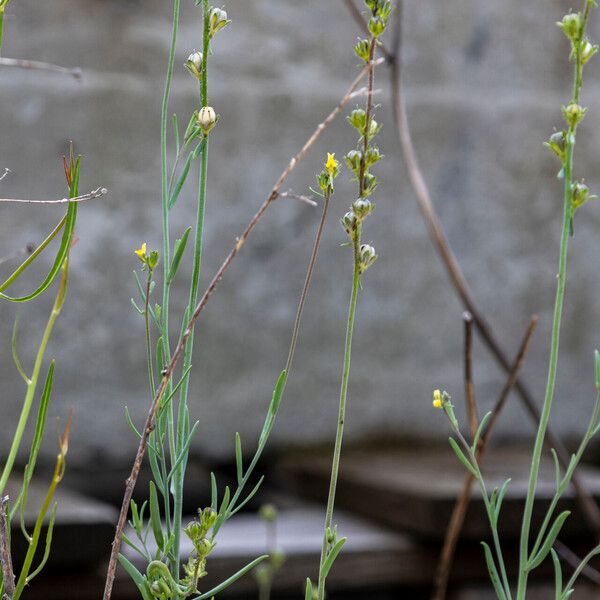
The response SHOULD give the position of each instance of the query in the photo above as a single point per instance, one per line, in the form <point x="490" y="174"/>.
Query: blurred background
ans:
<point x="484" y="84"/>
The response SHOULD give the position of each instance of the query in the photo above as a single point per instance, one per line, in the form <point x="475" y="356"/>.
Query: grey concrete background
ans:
<point x="486" y="80"/>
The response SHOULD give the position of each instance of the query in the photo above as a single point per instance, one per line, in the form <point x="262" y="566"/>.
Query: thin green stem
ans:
<point x="1" y="27"/>
<point x="182" y="432"/>
<point x="556" y="324"/>
<point x="341" y="414"/>
<point x="33" y="381"/>
<point x="149" y="358"/>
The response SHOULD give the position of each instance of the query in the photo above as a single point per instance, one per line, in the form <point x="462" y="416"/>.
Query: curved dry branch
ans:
<point x="38" y="65"/>
<point x="101" y="191"/>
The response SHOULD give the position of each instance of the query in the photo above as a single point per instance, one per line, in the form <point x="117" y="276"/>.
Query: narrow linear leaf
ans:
<point x="249" y="496"/>
<point x="500" y="498"/>
<point x="597" y="361"/>
<point x="548" y="543"/>
<point x="480" y="430"/>
<point x="137" y="577"/>
<point x="494" y="577"/>
<point x="232" y="579"/>
<point x="238" y="458"/>
<point x="176" y="133"/>
<point x="333" y="554"/>
<point x="214" y="496"/>
<point x="556" y="467"/>
<point x="557" y="574"/>
<point x="309" y="590"/>
<point x="463" y="459"/>
<point x="177" y="254"/>
<point x="155" y="517"/>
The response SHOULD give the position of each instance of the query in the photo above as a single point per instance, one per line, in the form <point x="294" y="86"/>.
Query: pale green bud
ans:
<point x="587" y="50"/>
<point x="353" y="159"/>
<point x="358" y="119"/>
<point x="362" y="207"/>
<point x="571" y="25"/>
<point x="207" y="118"/>
<point x="194" y="64"/>
<point x="218" y="20"/>
<point x="367" y="257"/>
<point x="376" y="26"/>
<point x="363" y="50"/>
<point x="573" y="114"/>
<point x="349" y="223"/>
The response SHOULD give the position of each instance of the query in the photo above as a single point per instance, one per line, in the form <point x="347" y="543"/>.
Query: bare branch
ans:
<point x="40" y="66"/>
<point x="468" y="376"/>
<point x="89" y="196"/>
<point x="5" y="556"/>
<point x="6" y="172"/>
<point x="306" y="199"/>
<point x="168" y="372"/>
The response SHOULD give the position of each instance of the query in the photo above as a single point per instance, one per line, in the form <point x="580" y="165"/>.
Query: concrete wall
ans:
<point x="485" y="81"/>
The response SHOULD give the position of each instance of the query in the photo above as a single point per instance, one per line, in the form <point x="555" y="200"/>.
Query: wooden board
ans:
<point x="414" y="490"/>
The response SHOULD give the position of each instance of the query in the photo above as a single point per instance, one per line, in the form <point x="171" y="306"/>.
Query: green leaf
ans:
<point x="232" y="579"/>
<point x="176" y="133"/>
<point x="239" y="461"/>
<point x="138" y="578"/>
<point x="333" y="554"/>
<point x="480" y="430"/>
<point x="463" y="459"/>
<point x="177" y="254"/>
<point x="557" y="575"/>
<point x="15" y="354"/>
<point x="597" y="361"/>
<point x="309" y="590"/>
<point x="499" y="500"/>
<point x="556" y="467"/>
<point x="214" y="496"/>
<point x="155" y="517"/>
<point x="193" y="155"/>
<point x="183" y="453"/>
<point x="47" y="546"/>
<point x="544" y="550"/>
<point x="495" y="578"/>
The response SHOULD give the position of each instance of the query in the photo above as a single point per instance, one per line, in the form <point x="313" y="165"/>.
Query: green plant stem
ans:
<point x="149" y="358"/>
<point x="1" y="27"/>
<point x="165" y="183"/>
<point x="33" y="380"/>
<point x="182" y="429"/>
<point x="556" y="323"/>
<point x="341" y="413"/>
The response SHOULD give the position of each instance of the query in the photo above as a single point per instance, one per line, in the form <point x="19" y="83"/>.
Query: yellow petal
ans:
<point x="141" y="251"/>
<point x="331" y="163"/>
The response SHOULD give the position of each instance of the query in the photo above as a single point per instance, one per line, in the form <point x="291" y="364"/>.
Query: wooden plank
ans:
<point x="416" y="489"/>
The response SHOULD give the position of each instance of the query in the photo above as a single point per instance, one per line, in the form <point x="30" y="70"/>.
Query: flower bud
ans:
<point x="194" y="64"/>
<point x="571" y="25"/>
<point x="556" y="143"/>
<point x="207" y="118"/>
<point x="370" y="183"/>
<point x="218" y="20"/>
<point x="581" y="194"/>
<point x="374" y="128"/>
<point x="573" y="114"/>
<point x="376" y="26"/>
<point x="362" y="207"/>
<point x="207" y="518"/>
<point x="367" y="257"/>
<point x="437" y="399"/>
<point x="358" y="119"/>
<point x="363" y="49"/>
<point x="203" y="547"/>
<point x="372" y="156"/>
<point x="587" y="50"/>
<point x="353" y="160"/>
<point x="349" y="223"/>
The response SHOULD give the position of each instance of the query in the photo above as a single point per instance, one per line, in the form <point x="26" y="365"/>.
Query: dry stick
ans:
<point x="167" y="374"/>
<point x="468" y="375"/>
<point x="448" y="258"/>
<point x="462" y="503"/>
<point x="89" y="196"/>
<point x="5" y="557"/>
<point x="40" y="66"/>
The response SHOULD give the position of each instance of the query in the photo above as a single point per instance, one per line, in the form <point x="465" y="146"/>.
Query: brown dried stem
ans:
<point x="168" y="372"/>
<point x="20" y="63"/>
<point x="468" y="375"/>
<point x="89" y="196"/>
<point x="457" y="278"/>
<point x="8" y="575"/>
<point x="462" y="503"/>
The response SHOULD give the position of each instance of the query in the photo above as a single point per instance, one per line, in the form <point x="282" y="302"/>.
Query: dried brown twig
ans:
<point x="464" y="498"/>
<point x="8" y="575"/>
<point x="168" y="372"/>
<point x="89" y="196"/>
<point x="38" y="65"/>
<point x="468" y="363"/>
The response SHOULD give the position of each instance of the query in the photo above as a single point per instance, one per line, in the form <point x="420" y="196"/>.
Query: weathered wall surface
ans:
<point x="485" y="80"/>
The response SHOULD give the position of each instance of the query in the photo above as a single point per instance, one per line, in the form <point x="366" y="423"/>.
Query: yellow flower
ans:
<point x="141" y="252"/>
<point x="437" y="399"/>
<point x="331" y="164"/>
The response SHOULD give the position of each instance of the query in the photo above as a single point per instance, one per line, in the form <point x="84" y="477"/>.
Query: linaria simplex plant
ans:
<point x="163" y="433"/>
<point x="576" y="194"/>
<point x="359" y="161"/>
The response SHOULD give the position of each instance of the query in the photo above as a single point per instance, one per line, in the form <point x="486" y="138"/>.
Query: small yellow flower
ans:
<point x="437" y="399"/>
<point x="141" y="252"/>
<point x="331" y="164"/>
